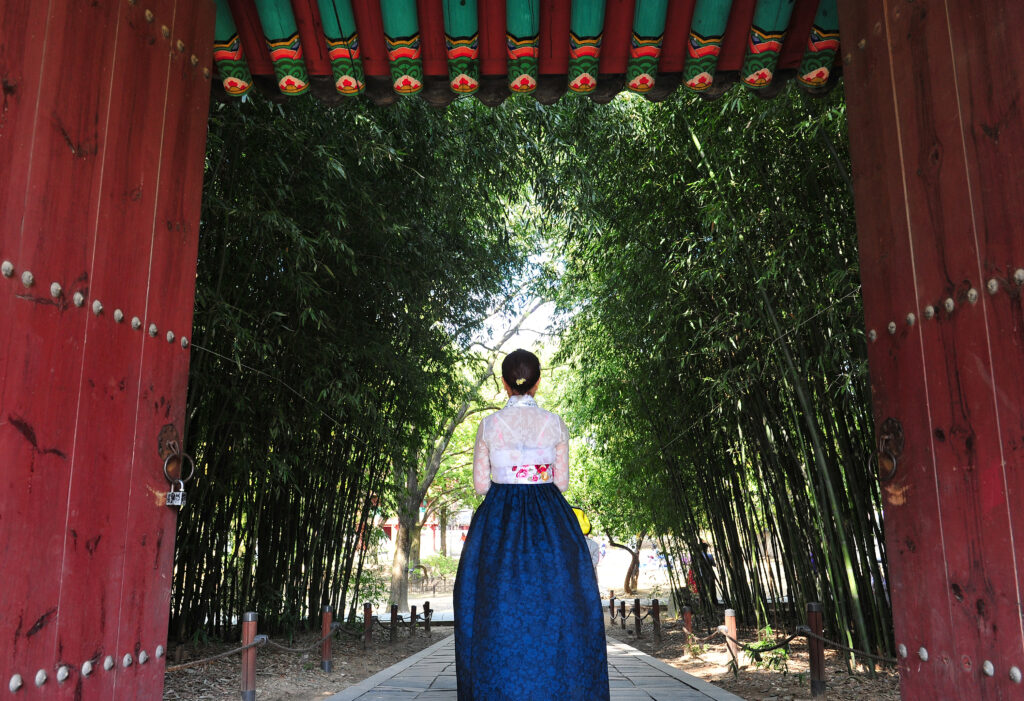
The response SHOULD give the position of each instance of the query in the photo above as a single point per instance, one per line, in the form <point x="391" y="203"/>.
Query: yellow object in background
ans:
<point x="584" y="521"/>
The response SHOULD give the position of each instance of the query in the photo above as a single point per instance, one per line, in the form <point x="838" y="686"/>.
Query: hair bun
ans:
<point x="521" y="370"/>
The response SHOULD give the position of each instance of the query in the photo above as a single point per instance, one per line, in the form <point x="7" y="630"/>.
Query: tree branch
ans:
<point x="442" y="441"/>
<point x="611" y="542"/>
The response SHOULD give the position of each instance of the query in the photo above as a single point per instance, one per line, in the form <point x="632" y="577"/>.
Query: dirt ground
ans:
<point x="290" y="676"/>
<point x="711" y="663"/>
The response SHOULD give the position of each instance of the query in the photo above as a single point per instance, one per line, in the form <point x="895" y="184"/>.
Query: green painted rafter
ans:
<point x="522" y="36"/>
<point x="342" y="45"/>
<point x="228" y="54"/>
<point x="462" y="43"/>
<point x="645" y="44"/>
<point x="707" y="28"/>
<point x="402" y="38"/>
<point x="822" y="45"/>
<point x="764" y="45"/>
<point x="585" y="32"/>
<point x="282" y="36"/>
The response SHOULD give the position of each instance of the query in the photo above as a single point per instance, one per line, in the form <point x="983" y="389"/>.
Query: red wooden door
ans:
<point x="102" y="133"/>
<point x="934" y="91"/>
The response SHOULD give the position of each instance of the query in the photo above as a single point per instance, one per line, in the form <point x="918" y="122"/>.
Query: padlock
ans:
<point x="176" y="498"/>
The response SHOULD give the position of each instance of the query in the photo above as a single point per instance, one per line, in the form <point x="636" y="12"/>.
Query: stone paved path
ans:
<point x="634" y="676"/>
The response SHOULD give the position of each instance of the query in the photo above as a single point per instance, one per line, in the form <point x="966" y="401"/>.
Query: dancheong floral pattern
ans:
<point x="689" y="54"/>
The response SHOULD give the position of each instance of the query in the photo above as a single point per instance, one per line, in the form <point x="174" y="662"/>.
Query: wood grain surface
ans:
<point x="104" y="127"/>
<point x="923" y="186"/>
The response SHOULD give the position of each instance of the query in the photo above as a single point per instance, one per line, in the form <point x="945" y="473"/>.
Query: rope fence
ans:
<point x="261" y="640"/>
<point x="329" y="629"/>
<point x="832" y="644"/>
<point x="812" y="631"/>
<point x="307" y="648"/>
<point x="653" y="612"/>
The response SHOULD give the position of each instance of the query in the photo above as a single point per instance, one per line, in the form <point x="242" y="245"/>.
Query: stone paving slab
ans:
<point x="633" y="676"/>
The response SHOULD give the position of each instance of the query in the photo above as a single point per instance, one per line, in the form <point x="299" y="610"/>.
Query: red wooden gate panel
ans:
<point x="934" y="95"/>
<point x="103" y="124"/>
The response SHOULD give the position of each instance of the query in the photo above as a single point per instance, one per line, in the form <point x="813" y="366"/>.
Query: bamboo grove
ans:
<point x="710" y="362"/>
<point x="717" y="370"/>
<point x="340" y="276"/>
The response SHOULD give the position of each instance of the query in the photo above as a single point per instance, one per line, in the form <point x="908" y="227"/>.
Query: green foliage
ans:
<point x="696" y="649"/>
<point x="711" y="364"/>
<point x="776" y="660"/>
<point x="716" y="380"/>
<point x="374" y="584"/>
<point x="347" y="258"/>
<point x="441" y="566"/>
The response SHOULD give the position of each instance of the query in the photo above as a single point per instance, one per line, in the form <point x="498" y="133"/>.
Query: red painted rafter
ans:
<point x="371" y="37"/>
<point x="493" y="52"/>
<point x="677" y="34"/>
<point x="430" y="14"/>
<point x="618" y="31"/>
<point x="555" y="16"/>
<point x="250" y="33"/>
<point x="311" y="34"/>
<point x="737" y="35"/>
<point x="795" y="45"/>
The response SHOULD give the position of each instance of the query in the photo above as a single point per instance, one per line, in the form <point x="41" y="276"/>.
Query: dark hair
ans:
<point x="521" y="370"/>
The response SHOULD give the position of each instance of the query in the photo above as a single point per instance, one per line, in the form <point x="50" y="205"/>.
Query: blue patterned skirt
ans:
<point x="528" y="618"/>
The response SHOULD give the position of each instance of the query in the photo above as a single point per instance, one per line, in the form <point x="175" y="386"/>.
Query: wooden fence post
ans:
<point x="611" y="610"/>
<point x="688" y="621"/>
<point x="394" y="622"/>
<point x="412" y="621"/>
<point x="636" y="617"/>
<point x="816" y="650"/>
<point x="326" y="622"/>
<point x="730" y="630"/>
<point x="367" y="625"/>
<point x="249" y="657"/>
<point x="622" y="613"/>
<point x="426" y="617"/>
<point x="656" y="619"/>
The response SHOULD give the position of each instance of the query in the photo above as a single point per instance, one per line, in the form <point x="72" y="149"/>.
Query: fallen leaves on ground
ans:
<point x="288" y="675"/>
<point x="711" y="662"/>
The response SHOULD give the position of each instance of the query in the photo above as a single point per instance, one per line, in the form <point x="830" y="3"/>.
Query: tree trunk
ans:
<point x="442" y="525"/>
<point x="400" y="565"/>
<point x="633" y="574"/>
<point x="414" y="546"/>
<point x="629" y="584"/>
